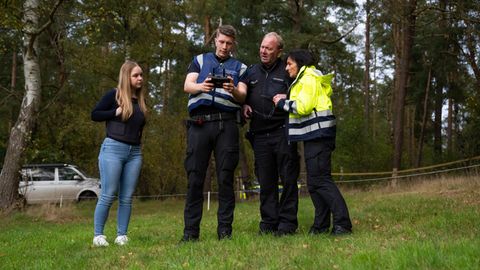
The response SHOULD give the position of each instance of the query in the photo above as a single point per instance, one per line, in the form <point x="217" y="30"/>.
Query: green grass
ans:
<point x="427" y="225"/>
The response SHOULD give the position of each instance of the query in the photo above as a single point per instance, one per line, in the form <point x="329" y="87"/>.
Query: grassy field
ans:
<point x="423" y="225"/>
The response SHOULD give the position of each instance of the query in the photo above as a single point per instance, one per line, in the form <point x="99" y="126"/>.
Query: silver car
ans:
<point x="42" y="183"/>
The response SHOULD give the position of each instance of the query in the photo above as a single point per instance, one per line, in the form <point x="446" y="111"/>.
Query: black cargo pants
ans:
<point x="276" y="158"/>
<point x="325" y="195"/>
<point x="221" y="137"/>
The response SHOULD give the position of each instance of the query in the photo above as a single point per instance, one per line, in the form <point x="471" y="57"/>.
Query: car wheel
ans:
<point x="87" y="195"/>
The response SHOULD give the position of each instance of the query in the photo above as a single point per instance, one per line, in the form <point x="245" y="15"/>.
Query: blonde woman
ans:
<point x="120" y="159"/>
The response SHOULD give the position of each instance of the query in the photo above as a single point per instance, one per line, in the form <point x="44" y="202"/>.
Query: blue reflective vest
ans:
<point x="218" y="97"/>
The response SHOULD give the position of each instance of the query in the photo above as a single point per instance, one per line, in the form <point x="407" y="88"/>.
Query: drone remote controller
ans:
<point x="219" y="80"/>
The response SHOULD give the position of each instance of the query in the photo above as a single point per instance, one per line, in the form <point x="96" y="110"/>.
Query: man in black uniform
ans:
<point x="213" y="103"/>
<point x="274" y="156"/>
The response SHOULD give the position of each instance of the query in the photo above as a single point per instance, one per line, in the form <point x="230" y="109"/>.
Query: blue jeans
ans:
<point x="119" y="165"/>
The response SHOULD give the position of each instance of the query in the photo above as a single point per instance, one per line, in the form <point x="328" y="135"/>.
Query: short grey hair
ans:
<point x="277" y="36"/>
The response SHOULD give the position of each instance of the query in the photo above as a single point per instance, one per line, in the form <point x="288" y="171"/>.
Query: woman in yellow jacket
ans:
<point x="311" y="120"/>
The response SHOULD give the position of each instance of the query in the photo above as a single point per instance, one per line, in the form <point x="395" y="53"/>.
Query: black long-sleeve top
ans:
<point x="130" y="131"/>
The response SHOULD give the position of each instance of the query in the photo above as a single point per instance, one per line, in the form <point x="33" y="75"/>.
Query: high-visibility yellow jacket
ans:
<point x="309" y="106"/>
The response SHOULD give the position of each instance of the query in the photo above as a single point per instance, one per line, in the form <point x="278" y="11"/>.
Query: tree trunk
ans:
<point x="20" y="133"/>
<point x="296" y="7"/>
<point x="450" y="127"/>
<point x="472" y="54"/>
<point x="57" y="46"/>
<point x="404" y="31"/>
<point x="207" y="27"/>
<point x="13" y="85"/>
<point x="168" y="85"/>
<point x="437" y="124"/>
<point x="424" y="120"/>
<point x="410" y="129"/>
<point x="13" y="81"/>
<point x="375" y="98"/>
<point x="366" y="79"/>
<point x="456" y="125"/>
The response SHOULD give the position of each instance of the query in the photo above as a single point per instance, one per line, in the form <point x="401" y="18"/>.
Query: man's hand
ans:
<point x="229" y="86"/>
<point x="247" y="111"/>
<point x="206" y="85"/>
<point x="278" y="97"/>
<point x="192" y="87"/>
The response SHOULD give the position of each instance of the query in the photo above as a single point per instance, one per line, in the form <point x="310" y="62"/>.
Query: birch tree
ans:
<point x="21" y="131"/>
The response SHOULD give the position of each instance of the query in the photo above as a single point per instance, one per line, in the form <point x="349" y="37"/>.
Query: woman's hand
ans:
<point x="118" y="111"/>
<point x="278" y="97"/>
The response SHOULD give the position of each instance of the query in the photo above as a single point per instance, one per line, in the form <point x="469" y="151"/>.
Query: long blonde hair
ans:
<point x="124" y="91"/>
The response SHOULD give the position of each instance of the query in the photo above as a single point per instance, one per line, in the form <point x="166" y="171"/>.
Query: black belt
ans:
<point x="200" y="119"/>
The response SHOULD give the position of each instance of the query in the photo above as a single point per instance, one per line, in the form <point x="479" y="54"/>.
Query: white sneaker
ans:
<point x="121" y="240"/>
<point x="100" y="241"/>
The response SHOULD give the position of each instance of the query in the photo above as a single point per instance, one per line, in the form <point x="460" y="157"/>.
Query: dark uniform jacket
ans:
<point x="263" y="83"/>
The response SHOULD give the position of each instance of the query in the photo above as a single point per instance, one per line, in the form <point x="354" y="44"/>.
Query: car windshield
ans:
<point x="82" y="172"/>
<point x="68" y="174"/>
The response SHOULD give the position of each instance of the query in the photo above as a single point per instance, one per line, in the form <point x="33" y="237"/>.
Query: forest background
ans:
<point x="406" y="90"/>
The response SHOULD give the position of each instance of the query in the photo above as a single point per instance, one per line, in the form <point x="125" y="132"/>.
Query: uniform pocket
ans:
<point x="189" y="162"/>
<point x="277" y="86"/>
<point x="318" y="156"/>
<point x="230" y="160"/>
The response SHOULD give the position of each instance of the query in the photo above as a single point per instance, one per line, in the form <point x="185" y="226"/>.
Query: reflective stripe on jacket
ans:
<point x="309" y="106"/>
<point x="218" y="97"/>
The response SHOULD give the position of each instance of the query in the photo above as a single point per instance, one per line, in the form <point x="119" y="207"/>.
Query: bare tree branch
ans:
<point x="11" y="92"/>
<point x="49" y="22"/>
<point x="339" y="38"/>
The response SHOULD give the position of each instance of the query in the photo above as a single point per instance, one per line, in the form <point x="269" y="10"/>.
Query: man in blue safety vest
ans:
<point x="213" y="104"/>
